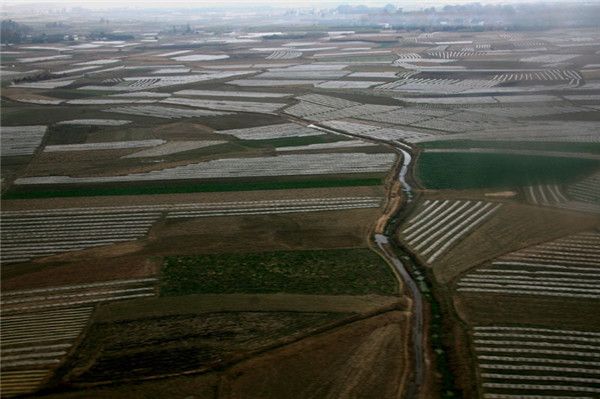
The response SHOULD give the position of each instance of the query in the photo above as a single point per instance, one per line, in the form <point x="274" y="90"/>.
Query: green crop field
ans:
<point x="194" y="188"/>
<point x="590" y="148"/>
<point x="331" y="272"/>
<point x="292" y="141"/>
<point x="472" y="170"/>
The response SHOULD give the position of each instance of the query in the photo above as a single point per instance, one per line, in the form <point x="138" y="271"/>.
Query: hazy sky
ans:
<point x="213" y="3"/>
<point x="107" y="4"/>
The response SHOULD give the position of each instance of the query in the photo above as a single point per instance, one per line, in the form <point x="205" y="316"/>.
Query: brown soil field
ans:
<point x="167" y="345"/>
<point x="142" y="339"/>
<point x="203" y="386"/>
<point x="27" y="96"/>
<point x="513" y="227"/>
<point x="311" y="230"/>
<point x="109" y="163"/>
<point x="207" y="303"/>
<point x="366" y="359"/>
<point x="54" y="271"/>
<point x="501" y="309"/>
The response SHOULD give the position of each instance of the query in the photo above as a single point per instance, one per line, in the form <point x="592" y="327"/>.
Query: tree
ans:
<point x="13" y="32"/>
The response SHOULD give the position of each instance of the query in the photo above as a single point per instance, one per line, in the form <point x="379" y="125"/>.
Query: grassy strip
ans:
<point x="325" y="272"/>
<point x="590" y="148"/>
<point x="204" y="188"/>
<point x="292" y="141"/>
<point x="470" y="170"/>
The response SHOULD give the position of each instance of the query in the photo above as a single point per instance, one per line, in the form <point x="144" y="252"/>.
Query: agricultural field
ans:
<point x="195" y="211"/>
<point x="334" y="272"/>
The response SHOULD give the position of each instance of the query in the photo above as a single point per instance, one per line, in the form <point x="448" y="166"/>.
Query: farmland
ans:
<point x="458" y="169"/>
<point x="219" y="210"/>
<point x="309" y="272"/>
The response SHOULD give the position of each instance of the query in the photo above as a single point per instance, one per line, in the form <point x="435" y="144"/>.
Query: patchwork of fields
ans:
<point x="182" y="207"/>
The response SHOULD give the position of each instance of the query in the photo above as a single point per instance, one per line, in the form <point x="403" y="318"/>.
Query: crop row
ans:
<point x="549" y="58"/>
<point x="454" y="126"/>
<point x="379" y="75"/>
<point x="222" y="93"/>
<point x="110" y="145"/>
<point x="82" y="294"/>
<point x="225" y="105"/>
<point x="440" y="224"/>
<point x="528" y="43"/>
<point x="406" y="116"/>
<point x="347" y="84"/>
<point x="284" y="55"/>
<point x="21" y="140"/>
<point x="585" y="194"/>
<point x="190" y="206"/>
<point x="173" y="147"/>
<point x="328" y="101"/>
<point x="171" y="71"/>
<point x="46" y="327"/>
<point x="436" y="86"/>
<point x="95" y="122"/>
<point x="25" y="237"/>
<point x="586" y="190"/>
<point x="34" y="343"/>
<point x="322" y="146"/>
<point x="158" y="111"/>
<point x="317" y="112"/>
<point x="154" y="82"/>
<point x="537" y="362"/>
<point x="94" y="101"/>
<point x="44" y="58"/>
<point x="141" y="94"/>
<point x="282" y="206"/>
<point x="544" y="194"/>
<point x="376" y="132"/>
<point x="273" y="83"/>
<point x="551" y="74"/>
<point x="20" y="382"/>
<point x="282" y="165"/>
<point x="409" y="56"/>
<point x="44" y="84"/>
<point x="272" y="132"/>
<point x="567" y="267"/>
<point x="303" y="74"/>
<point x="455" y="54"/>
